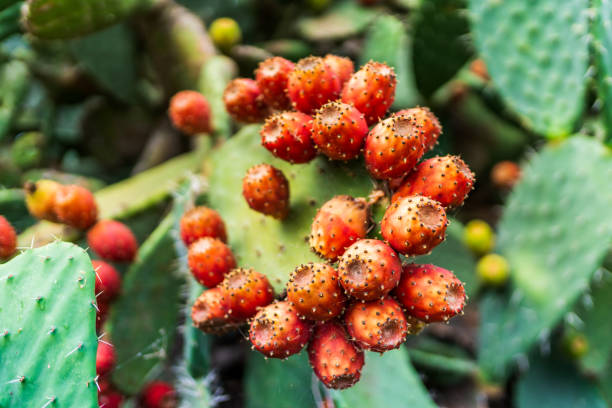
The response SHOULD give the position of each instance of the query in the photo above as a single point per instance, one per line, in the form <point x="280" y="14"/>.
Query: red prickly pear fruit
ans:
<point x="244" y="102"/>
<point x="105" y="358"/>
<point x="369" y="269"/>
<point x="75" y="206"/>
<point x="339" y="130"/>
<point x="209" y="260"/>
<point x="190" y="112"/>
<point x="414" y="225"/>
<point x="333" y="357"/>
<point x="343" y="67"/>
<point x="272" y="76"/>
<point x="287" y="135"/>
<point x="378" y="325"/>
<point x="40" y="199"/>
<point x="505" y="175"/>
<point x="371" y="90"/>
<point x="314" y="291"/>
<point x="427" y="123"/>
<point x="210" y="312"/>
<point x="393" y="147"/>
<point x="112" y="241"/>
<point x="277" y="331"/>
<point x="339" y="223"/>
<point x="247" y="290"/>
<point x="110" y="399"/>
<point x="108" y="281"/>
<point x="430" y="293"/>
<point x="200" y="222"/>
<point x="159" y="394"/>
<point x="447" y="179"/>
<point x="312" y="83"/>
<point x="101" y="314"/>
<point x="8" y="238"/>
<point x="266" y="190"/>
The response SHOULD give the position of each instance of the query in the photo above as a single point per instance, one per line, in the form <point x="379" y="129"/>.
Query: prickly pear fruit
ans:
<point x="244" y="102"/>
<point x="8" y="238"/>
<point x="343" y="67"/>
<point x="75" y="206"/>
<point x="339" y="130"/>
<point x="272" y="76"/>
<point x="225" y="33"/>
<point x="112" y="241"/>
<point x="287" y="135"/>
<point x="266" y="190"/>
<point x="247" y="290"/>
<point x="312" y="83"/>
<point x="159" y="394"/>
<point x="479" y="236"/>
<point x="505" y="174"/>
<point x="200" y="222"/>
<point x="108" y="281"/>
<point x="493" y="269"/>
<point x="209" y="312"/>
<point x="209" y="260"/>
<point x="427" y="124"/>
<point x="40" y="199"/>
<point x="190" y="112"/>
<point x="105" y="357"/>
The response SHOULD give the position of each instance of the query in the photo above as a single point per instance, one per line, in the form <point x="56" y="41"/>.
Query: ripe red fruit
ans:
<point x="8" y="238"/>
<point x="378" y="325"/>
<point x="110" y="399"/>
<point x="244" y="102"/>
<point x="159" y="394"/>
<point x="272" y="76"/>
<point x="101" y="315"/>
<point x="448" y="180"/>
<point x="105" y="358"/>
<point x="427" y="123"/>
<point x="393" y="147"/>
<point x="343" y="67"/>
<point x="210" y="260"/>
<point x="200" y="222"/>
<point x="369" y="269"/>
<point x="266" y="190"/>
<point x="287" y="135"/>
<point x="75" y="206"/>
<point x="339" y="130"/>
<point x="312" y="83"/>
<point x="247" y="290"/>
<point x="108" y="281"/>
<point x="313" y="289"/>
<point x="334" y="358"/>
<point x="113" y="241"/>
<point x="210" y="312"/>
<point x="371" y="90"/>
<point x="505" y="174"/>
<point x="414" y="225"/>
<point x="190" y="112"/>
<point x="430" y="293"/>
<point x="339" y="223"/>
<point x="277" y="331"/>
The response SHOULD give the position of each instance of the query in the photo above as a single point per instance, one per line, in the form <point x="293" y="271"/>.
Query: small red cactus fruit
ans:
<point x="277" y="331"/>
<point x="287" y="135"/>
<point x="266" y="190"/>
<point x="339" y="223"/>
<point x="209" y="260"/>
<point x="159" y="394"/>
<point x="342" y="66"/>
<point x="105" y="358"/>
<point x="427" y="123"/>
<point x="108" y="281"/>
<point x="334" y="358"/>
<point x="313" y="289"/>
<point x="430" y="293"/>
<point x="40" y="199"/>
<point x="200" y="222"/>
<point x="371" y="90"/>
<point x="112" y="241"/>
<point x="75" y="206"/>
<point x="505" y="175"/>
<point x="8" y="238"/>
<point x="247" y="290"/>
<point x="414" y="225"/>
<point x="378" y="325"/>
<point x="272" y="76"/>
<point x="339" y="130"/>
<point x="110" y="399"/>
<point x="190" y="112"/>
<point x="448" y="180"/>
<point x="369" y="269"/>
<point x="244" y="102"/>
<point x="101" y="315"/>
<point x="393" y="147"/>
<point x="209" y="312"/>
<point x="312" y="83"/>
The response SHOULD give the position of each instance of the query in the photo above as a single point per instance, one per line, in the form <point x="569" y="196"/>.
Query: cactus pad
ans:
<point x="602" y="47"/>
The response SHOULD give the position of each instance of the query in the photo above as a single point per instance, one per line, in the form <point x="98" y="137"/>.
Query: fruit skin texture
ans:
<point x="210" y="312"/>
<point x="190" y="112"/>
<point x="225" y="33"/>
<point x="8" y="238"/>
<point x="342" y="66"/>
<point x="247" y="290"/>
<point x="266" y="190"/>
<point x="105" y="358"/>
<point x="493" y="270"/>
<point x="112" y="241"/>
<point x="209" y="260"/>
<point x="314" y="291"/>
<point x="427" y="123"/>
<point x="277" y="331"/>
<point x="430" y="293"/>
<point x="505" y="175"/>
<point x="110" y="399"/>
<point x="334" y="358"/>
<point x="201" y="222"/>
<point x="40" y="199"/>
<point x="75" y="206"/>
<point x="393" y="147"/>
<point x="371" y="90"/>
<point x="414" y="225"/>
<point x="108" y="281"/>
<point x="479" y="236"/>
<point x="244" y="102"/>
<point x="158" y="394"/>
<point x="339" y="130"/>
<point x="287" y="135"/>
<point x="339" y="223"/>
<point x="369" y="269"/>
<point x="378" y="325"/>
<point x="312" y="83"/>
<point x="272" y="76"/>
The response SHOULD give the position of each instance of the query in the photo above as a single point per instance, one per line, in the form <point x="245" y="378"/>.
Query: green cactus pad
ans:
<point x="14" y="77"/>
<point x="345" y="19"/>
<point x="216" y="72"/>
<point x="536" y="53"/>
<point x="48" y="339"/>
<point x="555" y="233"/>
<point x="602" y="44"/>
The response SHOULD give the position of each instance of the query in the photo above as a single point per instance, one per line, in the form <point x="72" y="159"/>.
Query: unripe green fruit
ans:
<point x="225" y="33"/>
<point x="575" y="344"/>
<point x="493" y="269"/>
<point x="479" y="236"/>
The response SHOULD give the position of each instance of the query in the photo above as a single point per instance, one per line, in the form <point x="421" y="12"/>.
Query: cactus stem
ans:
<point x="75" y="349"/>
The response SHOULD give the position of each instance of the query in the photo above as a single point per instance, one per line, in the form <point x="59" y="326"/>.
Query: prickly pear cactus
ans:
<point x="48" y="339"/>
<point x="602" y="47"/>
<point x="216" y="72"/>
